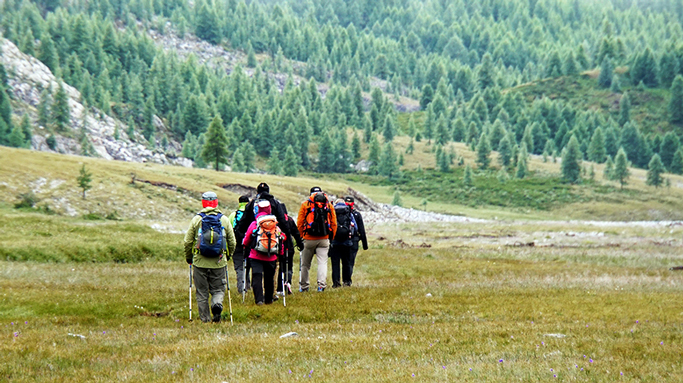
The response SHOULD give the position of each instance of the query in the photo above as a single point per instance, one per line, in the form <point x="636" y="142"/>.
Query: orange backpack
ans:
<point x="268" y="236"/>
<point x="318" y="216"/>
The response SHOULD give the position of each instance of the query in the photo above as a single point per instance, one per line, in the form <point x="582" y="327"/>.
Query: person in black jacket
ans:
<point x="358" y="237"/>
<point x="289" y="246"/>
<point x="263" y="193"/>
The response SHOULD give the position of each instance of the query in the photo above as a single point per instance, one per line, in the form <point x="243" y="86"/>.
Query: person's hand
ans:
<point x="365" y="246"/>
<point x="300" y="246"/>
<point x="189" y="261"/>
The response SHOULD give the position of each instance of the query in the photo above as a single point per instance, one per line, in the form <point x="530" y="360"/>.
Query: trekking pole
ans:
<point x="227" y="280"/>
<point x="190" y="293"/>
<point x="244" y="278"/>
<point x="284" y="292"/>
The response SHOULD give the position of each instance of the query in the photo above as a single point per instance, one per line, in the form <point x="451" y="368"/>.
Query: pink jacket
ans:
<point x="253" y="254"/>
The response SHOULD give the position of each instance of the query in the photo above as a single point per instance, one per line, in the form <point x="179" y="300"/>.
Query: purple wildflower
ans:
<point x="500" y="361"/>
<point x="590" y="360"/>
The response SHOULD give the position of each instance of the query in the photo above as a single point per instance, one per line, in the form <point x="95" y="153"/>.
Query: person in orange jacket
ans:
<point x="317" y="223"/>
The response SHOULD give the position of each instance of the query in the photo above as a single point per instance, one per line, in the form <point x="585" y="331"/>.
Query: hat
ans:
<point x="244" y="198"/>
<point x="263" y="203"/>
<point x="262" y="187"/>
<point x="209" y="196"/>
<point x="316" y="189"/>
<point x="348" y="198"/>
<point x="339" y="201"/>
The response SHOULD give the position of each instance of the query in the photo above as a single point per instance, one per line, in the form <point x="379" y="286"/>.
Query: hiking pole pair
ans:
<point x="283" y="266"/>
<point x="190" y="293"/>
<point x="227" y="280"/>
<point x="244" y="278"/>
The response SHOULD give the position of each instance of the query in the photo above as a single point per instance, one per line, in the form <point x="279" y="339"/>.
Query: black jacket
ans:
<point x="295" y="237"/>
<point x="360" y="234"/>
<point x="275" y="208"/>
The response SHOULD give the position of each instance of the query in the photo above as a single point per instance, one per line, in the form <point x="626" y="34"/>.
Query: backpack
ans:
<point x="238" y="217"/>
<point x="210" y="239"/>
<point x="346" y="223"/>
<point x="268" y="235"/>
<point x="317" y="218"/>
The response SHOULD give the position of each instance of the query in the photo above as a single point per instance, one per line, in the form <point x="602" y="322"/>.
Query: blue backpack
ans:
<point x="210" y="241"/>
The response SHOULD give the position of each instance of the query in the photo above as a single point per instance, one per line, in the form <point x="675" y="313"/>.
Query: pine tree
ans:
<point x="609" y="169"/>
<point x="207" y="24"/>
<point x="274" y="163"/>
<point x="16" y="137"/>
<point x="522" y="167"/>
<point x="47" y="53"/>
<point x="355" y="147"/>
<point x="396" y="201"/>
<point x="570" y="65"/>
<point x="606" y="73"/>
<point x="596" y="149"/>
<point x="389" y="130"/>
<point x="620" y="172"/>
<point x="427" y="96"/>
<point x="215" y="149"/>
<point x="251" y="56"/>
<point x="388" y="166"/>
<point x="668" y="148"/>
<point x="326" y="155"/>
<point x="467" y="176"/>
<point x="486" y="73"/>
<point x="483" y="152"/>
<point x="616" y="84"/>
<point x="655" y="169"/>
<point x="249" y="154"/>
<point x="669" y="68"/>
<point x="194" y="118"/>
<point x="677" y="162"/>
<point x="291" y="165"/>
<point x="624" y="109"/>
<point x="188" y="150"/>
<point x="676" y="101"/>
<point x="60" y="109"/>
<point x="238" y="161"/>
<point x="26" y="130"/>
<point x="84" y="179"/>
<point x="504" y="152"/>
<point x="554" y="68"/>
<point x="571" y="161"/>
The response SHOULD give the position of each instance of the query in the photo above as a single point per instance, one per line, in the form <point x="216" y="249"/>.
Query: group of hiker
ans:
<point x="260" y="236"/>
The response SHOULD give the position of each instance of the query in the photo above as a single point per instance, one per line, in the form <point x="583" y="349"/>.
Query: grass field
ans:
<point x="584" y="304"/>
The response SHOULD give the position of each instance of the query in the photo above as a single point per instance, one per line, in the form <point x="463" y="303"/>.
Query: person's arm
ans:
<point x="301" y="219"/>
<point x="333" y="220"/>
<point x="190" y="239"/>
<point x="296" y="235"/>
<point x="230" y="236"/>
<point x="361" y="230"/>
<point x="247" y="237"/>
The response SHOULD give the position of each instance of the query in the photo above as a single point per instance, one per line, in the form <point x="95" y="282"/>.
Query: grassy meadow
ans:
<point x="96" y="289"/>
<point x="584" y="304"/>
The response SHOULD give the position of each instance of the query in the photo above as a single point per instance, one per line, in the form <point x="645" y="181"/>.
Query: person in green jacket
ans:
<point x="210" y="270"/>
<point x="238" y="257"/>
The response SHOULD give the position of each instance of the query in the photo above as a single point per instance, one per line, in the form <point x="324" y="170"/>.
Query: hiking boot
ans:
<point x="216" y="310"/>
<point x="276" y="296"/>
<point x="321" y="289"/>
<point x="347" y="284"/>
<point x="302" y="290"/>
<point x="336" y="285"/>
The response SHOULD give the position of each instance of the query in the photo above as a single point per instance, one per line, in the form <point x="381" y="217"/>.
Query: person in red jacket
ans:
<point x="263" y="264"/>
<point x="317" y="223"/>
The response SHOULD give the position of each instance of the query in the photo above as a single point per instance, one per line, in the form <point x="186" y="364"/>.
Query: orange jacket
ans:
<point x="301" y="220"/>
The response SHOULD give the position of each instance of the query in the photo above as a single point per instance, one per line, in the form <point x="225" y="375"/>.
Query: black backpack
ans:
<point x="346" y="224"/>
<point x="317" y="223"/>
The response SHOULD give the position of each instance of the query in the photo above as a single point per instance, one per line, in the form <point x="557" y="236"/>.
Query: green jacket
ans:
<point x="191" y="242"/>
<point x="231" y="218"/>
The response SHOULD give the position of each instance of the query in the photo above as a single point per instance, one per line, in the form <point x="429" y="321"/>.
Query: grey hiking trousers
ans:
<point x="209" y="281"/>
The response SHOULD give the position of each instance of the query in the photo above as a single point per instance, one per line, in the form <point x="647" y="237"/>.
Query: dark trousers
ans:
<point x="343" y="254"/>
<point x="352" y="259"/>
<point x="289" y="260"/>
<point x="262" y="278"/>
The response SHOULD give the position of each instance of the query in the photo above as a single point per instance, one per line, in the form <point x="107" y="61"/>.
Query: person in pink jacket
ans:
<point x="264" y="253"/>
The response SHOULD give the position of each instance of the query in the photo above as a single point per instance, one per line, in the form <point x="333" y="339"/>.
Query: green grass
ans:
<point x="613" y="305"/>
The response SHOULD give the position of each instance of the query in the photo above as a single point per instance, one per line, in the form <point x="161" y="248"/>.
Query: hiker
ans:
<point x="317" y="223"/>
<point x="265" y="241"/>
<point x="359" y="235"/>
<point x="238" y="258"/>
<point x="263" y="193"/>
<point x="340" y="246"/>
<point x="289" y="248"/>
<point x="208" y="247"/>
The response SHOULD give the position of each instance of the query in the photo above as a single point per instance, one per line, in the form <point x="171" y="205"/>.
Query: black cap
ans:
<point x="244" y="198"/>
<point x="316" y="189"/>
<point x="319" y="197"/>
<point x="348" y="198"/>
<point x="262" y="187"/>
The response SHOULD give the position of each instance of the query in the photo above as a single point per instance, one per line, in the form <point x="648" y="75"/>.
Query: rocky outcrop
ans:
<point x="28" y="77"/>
